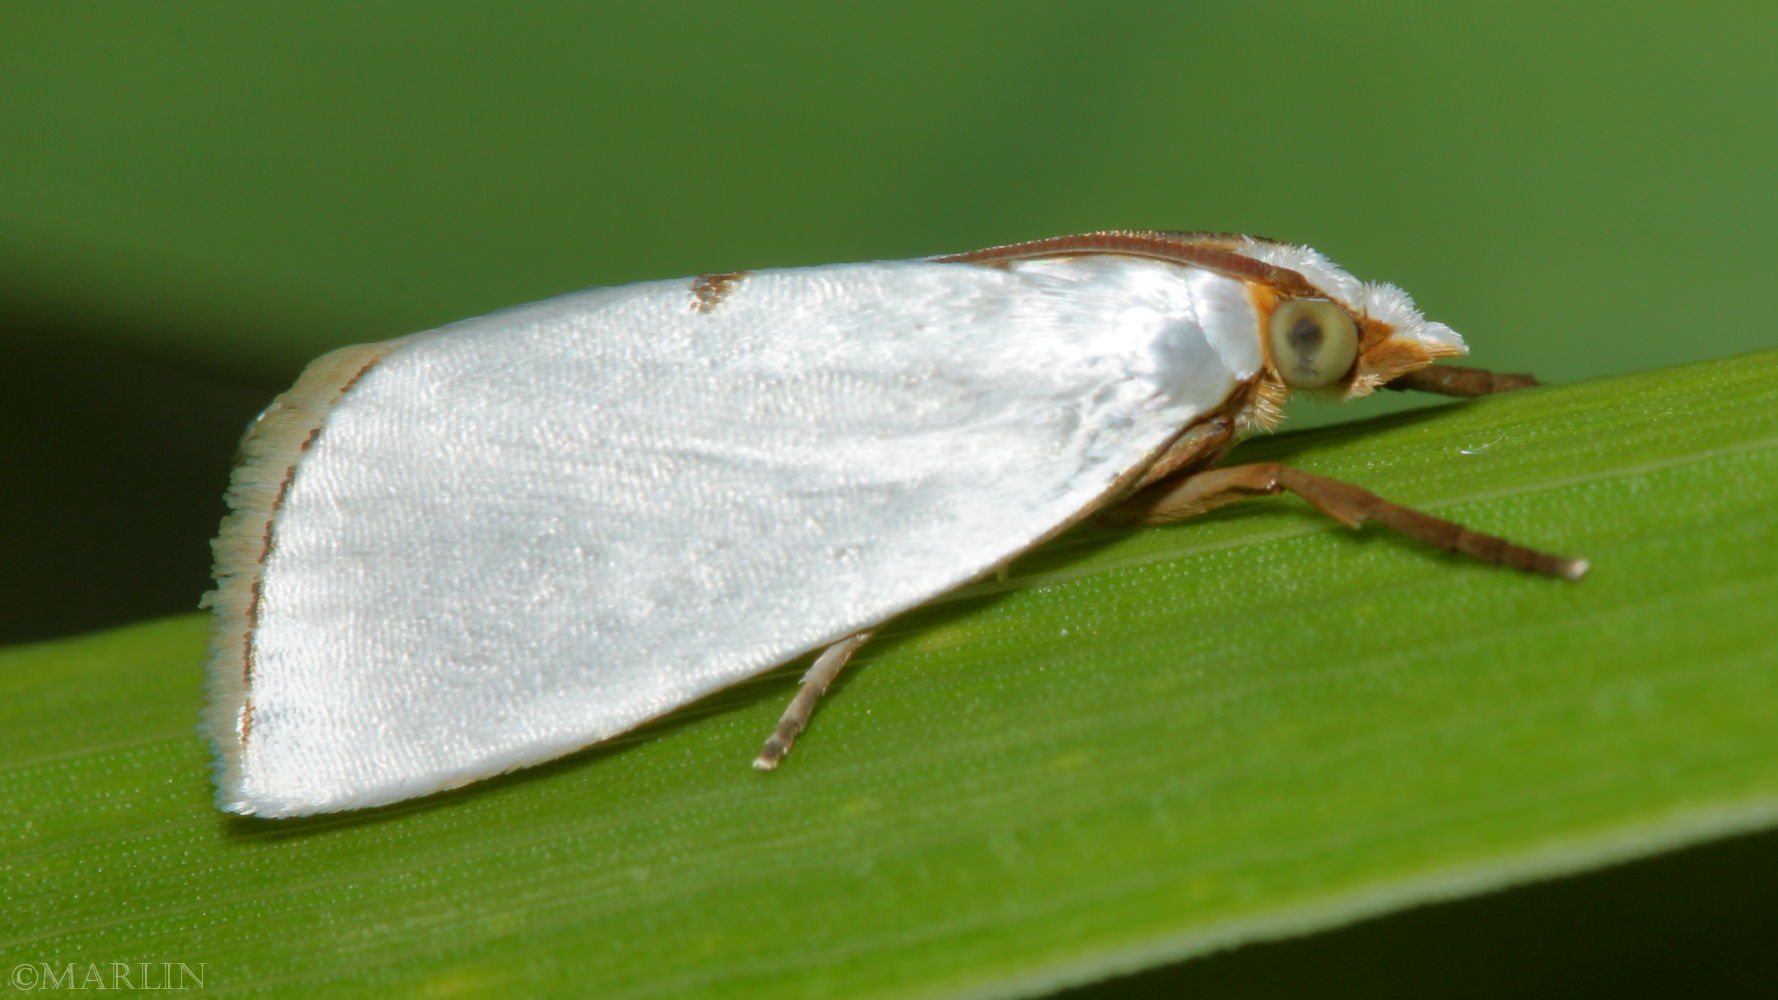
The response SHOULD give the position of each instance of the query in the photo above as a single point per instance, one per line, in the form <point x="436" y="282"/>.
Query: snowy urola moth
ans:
<point x="484" y="546"/>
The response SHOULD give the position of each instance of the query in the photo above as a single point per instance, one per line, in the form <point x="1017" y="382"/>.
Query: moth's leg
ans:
<point x="1348" y="504"/>
<point x="1454" y="380"/>
<point x="1198" y="447"/>
<point x="826" y="667"/>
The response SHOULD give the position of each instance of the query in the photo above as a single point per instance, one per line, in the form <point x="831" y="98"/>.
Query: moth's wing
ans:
<point x="491" y="544"/>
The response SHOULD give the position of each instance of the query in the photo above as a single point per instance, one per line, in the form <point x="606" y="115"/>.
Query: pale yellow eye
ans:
<point x="1313" y="342"/>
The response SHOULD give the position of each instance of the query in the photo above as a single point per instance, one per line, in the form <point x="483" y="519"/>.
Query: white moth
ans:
<point x="488" y="545"/>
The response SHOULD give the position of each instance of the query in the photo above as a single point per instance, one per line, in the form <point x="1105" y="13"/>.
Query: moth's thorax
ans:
<point x="1197" y="330"/>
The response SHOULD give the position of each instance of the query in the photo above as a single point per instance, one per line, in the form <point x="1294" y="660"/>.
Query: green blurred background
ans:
<point x="197" y="197"/>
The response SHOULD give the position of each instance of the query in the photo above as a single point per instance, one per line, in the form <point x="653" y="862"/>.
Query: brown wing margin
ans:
<point x="1210" y="251"/>
<point x="265" y="465"/>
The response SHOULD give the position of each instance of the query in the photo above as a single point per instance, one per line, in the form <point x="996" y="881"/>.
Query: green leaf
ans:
<point x="1140" y="746"/>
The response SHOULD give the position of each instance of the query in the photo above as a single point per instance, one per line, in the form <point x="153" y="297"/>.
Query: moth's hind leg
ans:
<point x="1195" y="493"/>
<point x="827" y="666"/>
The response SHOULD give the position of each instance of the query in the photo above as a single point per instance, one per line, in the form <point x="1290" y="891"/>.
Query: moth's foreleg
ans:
<point x="1455" y="380"/>
<point x="827" y="666"/>
<point x="1348" y="504"/>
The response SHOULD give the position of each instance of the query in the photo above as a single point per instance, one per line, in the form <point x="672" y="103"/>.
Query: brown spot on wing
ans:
<point x="708" y="290"/>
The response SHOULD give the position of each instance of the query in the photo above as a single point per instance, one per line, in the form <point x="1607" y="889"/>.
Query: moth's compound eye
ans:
<point x="1313" y="342"/>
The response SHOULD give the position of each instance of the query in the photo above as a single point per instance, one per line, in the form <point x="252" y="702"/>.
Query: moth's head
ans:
<point x="1346" y="337"/>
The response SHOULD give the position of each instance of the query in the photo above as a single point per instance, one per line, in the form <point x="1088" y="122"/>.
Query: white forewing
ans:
<point x="524" y="533"/>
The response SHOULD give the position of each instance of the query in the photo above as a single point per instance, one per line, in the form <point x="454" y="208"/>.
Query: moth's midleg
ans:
<point x="1456" y="380"/>
<point x="1344" y="502"/>
<point x="826" y="667"/>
